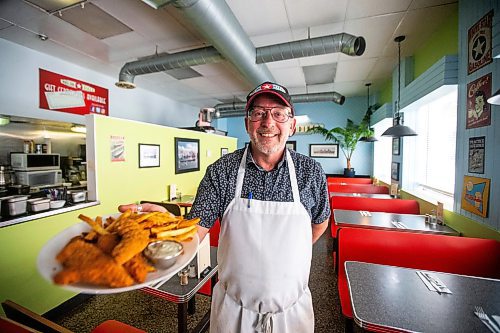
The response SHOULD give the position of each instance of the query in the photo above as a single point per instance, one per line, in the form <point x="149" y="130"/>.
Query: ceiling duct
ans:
<point x="217" y="23"/>
<point x="165" y="62"/>
<point x="238" y="109"/>
<point x="345" y="43"/>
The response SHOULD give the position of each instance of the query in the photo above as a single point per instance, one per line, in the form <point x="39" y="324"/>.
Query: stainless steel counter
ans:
<point x="4" y="222"/>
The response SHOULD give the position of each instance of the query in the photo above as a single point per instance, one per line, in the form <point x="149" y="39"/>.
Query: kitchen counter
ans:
<point x="7" y="221"/>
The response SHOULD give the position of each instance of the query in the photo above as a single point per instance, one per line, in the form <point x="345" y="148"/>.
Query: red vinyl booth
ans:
<point x="347" y="180"/>
<point x="399" y="206"/>
<point x="450" y="254"/>
<point x="358" y="188"/>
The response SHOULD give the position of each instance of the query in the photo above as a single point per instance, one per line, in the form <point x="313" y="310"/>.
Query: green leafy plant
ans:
<point x="347" y="137"/>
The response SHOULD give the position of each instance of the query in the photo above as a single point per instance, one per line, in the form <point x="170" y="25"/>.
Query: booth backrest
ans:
<point x="358" y="188"/>
<point x="399" y="206"/>
<point x="347" y="180"/>
<point x="451" y="254"/>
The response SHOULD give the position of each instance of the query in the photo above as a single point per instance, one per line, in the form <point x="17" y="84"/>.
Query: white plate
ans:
<point x="48" y="266"/>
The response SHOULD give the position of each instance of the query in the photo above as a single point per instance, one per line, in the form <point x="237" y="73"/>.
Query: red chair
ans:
<point x="450" y="254"/>
<point x="347" y="180"/>
<point x="399" y="206"/>
<point x="358" y="188"/>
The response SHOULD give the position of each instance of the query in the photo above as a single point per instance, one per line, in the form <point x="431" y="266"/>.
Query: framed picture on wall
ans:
<point x="187" y="155"/>
<point x="395" y="171"/>
<point x="291" y="145"/>
<point x="395" y="146"/>
<point x="476" y="154"/>
<point x="324" y="150"/>
<point x="224" y="151"/>
<point x="149" y="155"/>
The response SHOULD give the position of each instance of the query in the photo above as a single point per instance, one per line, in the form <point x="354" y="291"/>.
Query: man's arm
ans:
<point x="202" y="232"/>
<point x="317" y="230"/>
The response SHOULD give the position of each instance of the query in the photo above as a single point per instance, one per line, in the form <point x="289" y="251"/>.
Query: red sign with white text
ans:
<point x="65" y="94"/>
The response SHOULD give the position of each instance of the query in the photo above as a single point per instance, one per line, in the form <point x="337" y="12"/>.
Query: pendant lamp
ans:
<point x="398" y="129"/>
<point x="368" y="115"/>
<point x="495" y="99"/>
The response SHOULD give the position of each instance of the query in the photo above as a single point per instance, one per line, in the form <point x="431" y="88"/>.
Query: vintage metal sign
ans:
<point x="478" y="110"/>
<point x="479" y="43"/>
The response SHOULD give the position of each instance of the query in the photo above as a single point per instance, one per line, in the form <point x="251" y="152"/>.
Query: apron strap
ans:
<point x="291" y="172"/>
<point x="265" y="323"/>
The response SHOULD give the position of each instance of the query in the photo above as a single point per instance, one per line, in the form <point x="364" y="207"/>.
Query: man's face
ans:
<point x="479" y="105"/>
<point x="267" y="135"/>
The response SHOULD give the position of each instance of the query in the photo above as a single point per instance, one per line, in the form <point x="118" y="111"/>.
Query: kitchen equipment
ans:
<point x="78" y="196"/>
<point x="18" y="189"/>
<point x="38" y="205"/>
<point x="26" y="162"/>
<point x="40" y="177"/>
<point x="7" y="176"/>
<point x="163" y="254"/>
<point x="57" y="204"/>
<point x="17" y="205"/>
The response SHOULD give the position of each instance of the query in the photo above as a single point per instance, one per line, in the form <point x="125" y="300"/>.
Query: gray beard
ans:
<point x="266" y="150"/>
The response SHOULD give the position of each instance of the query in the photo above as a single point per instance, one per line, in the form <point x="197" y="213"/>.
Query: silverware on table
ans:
<point x="486" y="319"/>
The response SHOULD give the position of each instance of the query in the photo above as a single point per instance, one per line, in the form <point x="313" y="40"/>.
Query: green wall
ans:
<point x="117" y="183"/>
<point x="442" y="42"/>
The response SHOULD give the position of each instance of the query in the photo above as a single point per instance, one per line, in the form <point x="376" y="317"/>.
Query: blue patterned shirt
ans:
<point x="218" y="186"/>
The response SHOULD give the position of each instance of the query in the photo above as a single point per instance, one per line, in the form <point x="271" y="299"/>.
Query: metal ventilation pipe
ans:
<point x="165" y="62"/>
<point x="217" y="23"/>
<point x="345" y="43"/>
<point x="238" y="109"/>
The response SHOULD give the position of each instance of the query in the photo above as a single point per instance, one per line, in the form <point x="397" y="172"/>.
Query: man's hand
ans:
<point x="145" y="207"/>
<point x="318" y="230"/>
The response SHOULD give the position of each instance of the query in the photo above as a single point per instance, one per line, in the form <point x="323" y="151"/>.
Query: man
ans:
<point x="273" y="205"/>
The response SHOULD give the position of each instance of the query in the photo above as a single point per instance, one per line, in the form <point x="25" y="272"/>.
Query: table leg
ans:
<point x="182" y="317"/>
<point x="192" y="305"/>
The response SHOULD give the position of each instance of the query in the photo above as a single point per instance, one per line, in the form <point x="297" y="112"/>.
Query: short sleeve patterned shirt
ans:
<point x="218" y="186"/>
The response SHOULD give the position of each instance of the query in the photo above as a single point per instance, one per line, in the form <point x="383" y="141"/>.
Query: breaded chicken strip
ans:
<point x="84" y="262"/>
<point x="138" y="267"/>
<point x="134" y="240"/>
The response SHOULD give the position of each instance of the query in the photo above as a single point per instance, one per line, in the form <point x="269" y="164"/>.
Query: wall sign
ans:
<point x="475" y="195"/>
<point x="476" y="154"/>
<point x="479" y="43"/>
<point x="478" y="110"/>
<point x="65" y="94"/>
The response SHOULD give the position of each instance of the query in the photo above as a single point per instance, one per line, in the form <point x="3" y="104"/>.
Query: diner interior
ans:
<point x="107" y="103"/>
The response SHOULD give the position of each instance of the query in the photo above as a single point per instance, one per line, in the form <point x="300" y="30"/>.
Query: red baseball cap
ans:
<point x="270" y="88"/>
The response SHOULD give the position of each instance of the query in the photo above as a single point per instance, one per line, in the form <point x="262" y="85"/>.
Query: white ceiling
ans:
<point x="266" y="22"/>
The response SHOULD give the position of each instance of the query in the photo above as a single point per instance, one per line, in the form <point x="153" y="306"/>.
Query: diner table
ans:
<point x="396" y="299"/>
<point x="185" y="201"/>
<point x="183" y="296"/>
<point x="389" y="221"/>
<point x="361" y="195"/>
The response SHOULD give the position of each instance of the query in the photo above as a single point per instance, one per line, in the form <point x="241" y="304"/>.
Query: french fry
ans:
<point x="157" y="230"/>
<point x="187" y="235"/>
<point x="97" y="227"/>
<point x="144" y="217"/>
<point x="188" y="223"/>
<point x="175" y="232"/>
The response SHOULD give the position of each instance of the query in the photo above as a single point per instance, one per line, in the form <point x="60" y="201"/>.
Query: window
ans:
<point x="382" y="152"/>
<point x="429" y="158"/>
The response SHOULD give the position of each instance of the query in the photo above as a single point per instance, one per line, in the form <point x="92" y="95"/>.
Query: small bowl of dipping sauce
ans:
<point x="163" y="254"/>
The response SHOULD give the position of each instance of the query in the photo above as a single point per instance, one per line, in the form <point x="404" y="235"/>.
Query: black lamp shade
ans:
<point x="398" y="130"/>
<point x="495" y="98"/>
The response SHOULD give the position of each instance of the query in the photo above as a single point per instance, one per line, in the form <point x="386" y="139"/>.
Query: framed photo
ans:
<point x="476" y="154"/>
<point x="149" y="155"/>
<point x="224" y="151"/>
<point x="187" y="155"/>
<point x="395" y="171"/>
<point x="395" y="146"/>
<point x="291" y="145"/>
<point x="324" y="150"/>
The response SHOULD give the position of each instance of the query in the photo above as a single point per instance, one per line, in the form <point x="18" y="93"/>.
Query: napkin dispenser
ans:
<point x="172" y="192"/>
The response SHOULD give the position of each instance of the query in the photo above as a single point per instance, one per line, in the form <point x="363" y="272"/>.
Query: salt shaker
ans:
<point x="192" y="271"/>
<point x="184" y="280"/>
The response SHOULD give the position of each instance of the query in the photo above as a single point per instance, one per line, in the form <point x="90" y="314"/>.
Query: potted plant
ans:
<point x="347" y="137"/>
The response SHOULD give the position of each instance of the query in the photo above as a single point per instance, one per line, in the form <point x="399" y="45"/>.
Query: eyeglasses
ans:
<point x="257" y="113"/>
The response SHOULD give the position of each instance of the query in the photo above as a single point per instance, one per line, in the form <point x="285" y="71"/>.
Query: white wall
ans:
<point x="19" y="91"/>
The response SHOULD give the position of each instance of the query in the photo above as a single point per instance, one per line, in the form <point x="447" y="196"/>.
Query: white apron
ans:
<point x="264" y="259"/>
